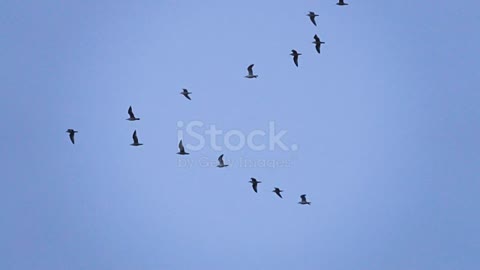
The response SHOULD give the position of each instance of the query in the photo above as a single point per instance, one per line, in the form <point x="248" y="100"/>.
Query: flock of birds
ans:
<point x="250" y="75"/>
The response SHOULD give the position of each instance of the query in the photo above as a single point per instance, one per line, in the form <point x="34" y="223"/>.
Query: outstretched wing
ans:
<point x="220" y="160"/>
<point x="180" y="146"/>
<point x="295" y="59"/>
<point x="130" y="112"/>
<point x="250" y="70"/>
<point x="254" y="186"/>
<point x="135" y="138"/>
<point x="312" y="18"/>
<point x="72" y="137"/>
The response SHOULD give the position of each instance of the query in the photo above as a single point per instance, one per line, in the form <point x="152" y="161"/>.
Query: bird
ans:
<point x="312" y="16"/>
<point x="135" y="139"/>
<point x="341" y="3"/>
<point x="304" y="199"/>
<point x="182" y="149"/>
<point x="250" y="72"/>
<point x="295" y="55"/>
<point x="71" y="133"/>
<point x="132" y="116"/>
<point x="278" y="191"/>
<point x="317" y="43"/>
<point x="254" y="183"/>
<point x="221" y="164"/>
<point x="186" y="93"/>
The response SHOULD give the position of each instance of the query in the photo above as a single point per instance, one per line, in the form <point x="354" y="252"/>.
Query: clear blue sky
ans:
<point x="386" y="121"/>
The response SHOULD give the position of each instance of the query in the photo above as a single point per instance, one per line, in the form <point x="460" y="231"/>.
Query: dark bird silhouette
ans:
<point x="341" y="3"/>
<point x="221" y="164"/>
<point x="71" y="134"/>
<point x="132" y="116"/>
<point x="135" y="139"/>
<point x="250" y="72"/>
<point x="186" y="93"/>
<point x="317" y="43"/>
<point x="278" y="191"/>
<point x="295" y="55"/>
<point x="312" y="16"/>
<point x="182" y="149"/>
<point x="254" y="183"/>
<point x="304" y="199"/>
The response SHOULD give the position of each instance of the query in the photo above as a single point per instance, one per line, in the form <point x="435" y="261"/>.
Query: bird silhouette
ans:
<point x="341" y="3"/>
<point x="250" y="72"/>
<point x="317" y="43"/>
<point x="132" y="116"/>
<point x="254" y="183"/>
<point x="221" y="164"/>
<point x="135" y="139"/>
<point x="278" y="191"/>
<point x="186" y="93"/>
<point x="182" y="149"/>
<point x="304" y="199"/>
<point x="312" y="16"/>
<point x="71" y="134"/>
<point x="295" y="55"/>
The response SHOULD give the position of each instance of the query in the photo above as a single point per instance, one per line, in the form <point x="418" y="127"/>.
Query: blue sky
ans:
<point x="385" y="119"/>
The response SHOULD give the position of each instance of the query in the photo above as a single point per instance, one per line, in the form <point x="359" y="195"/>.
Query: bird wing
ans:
<point x="304" y="198"/>
<point x="254" y="186"/>
<point x="341" y="2"/>
<point x="295" y="59"/>
<point x="180" y="145"/>
<point x="135" y="139"/>
<point x="130" y="112"/>
<point x="250" y="70"/>
<point x="187" y="96"/>
<point x="312" y="18"/>
<point x="71" y="135"/>
<point x="317" y="47"/>
<point x="220" y="159"/>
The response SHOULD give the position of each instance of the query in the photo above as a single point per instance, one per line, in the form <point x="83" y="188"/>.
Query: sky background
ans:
<point x="386" y="120"/>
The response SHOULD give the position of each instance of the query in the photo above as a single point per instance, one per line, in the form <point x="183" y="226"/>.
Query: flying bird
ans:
<point x="186" y="93"/>
<point x="71" y="134"/>
<point x="132" y="116"/>
<point x="182" y="149"/>
<point x="341" y="3"/>
<point x="221" y="164"/>
<point x="304" y="199"/>
<point x="254" y="183"/>
<point x="278" y="191"/>
<point x="317" y="43"/>
<point x="250" y="72"/>
<point x="312" y="16"/>
<point x="295" y="55"/>
<point x="135" y="139"/>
